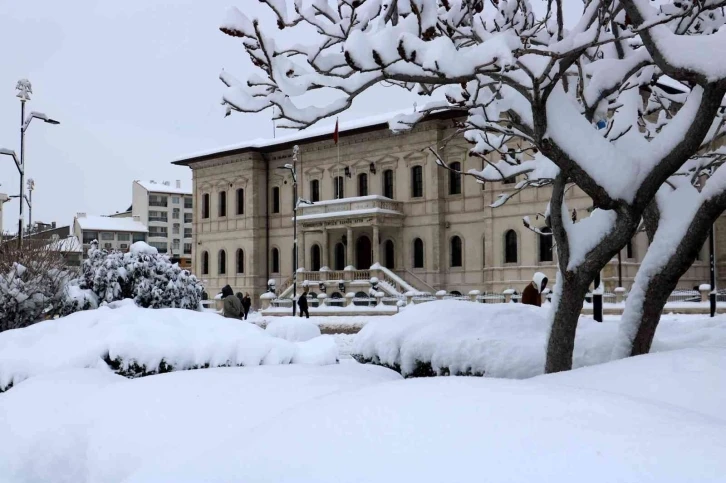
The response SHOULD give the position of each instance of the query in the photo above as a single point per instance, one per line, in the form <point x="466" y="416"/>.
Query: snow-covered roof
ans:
<point x="70" y="244"/>
<point x="306" y="135"/>
<point x="162" y="187"/>
<point x="105" y="223"/>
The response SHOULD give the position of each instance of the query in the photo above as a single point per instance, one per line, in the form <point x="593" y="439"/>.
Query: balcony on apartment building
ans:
<point x="160" y="201"/>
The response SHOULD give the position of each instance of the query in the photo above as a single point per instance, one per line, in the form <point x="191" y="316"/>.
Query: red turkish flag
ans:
<point x="335" y="133"/>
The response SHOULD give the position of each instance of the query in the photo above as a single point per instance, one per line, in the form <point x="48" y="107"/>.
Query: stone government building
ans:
<point x="384" y="199"/>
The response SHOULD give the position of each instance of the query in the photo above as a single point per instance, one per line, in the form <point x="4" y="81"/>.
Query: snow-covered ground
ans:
<point x="654" y="418"/>
<point x="132" y="337"/>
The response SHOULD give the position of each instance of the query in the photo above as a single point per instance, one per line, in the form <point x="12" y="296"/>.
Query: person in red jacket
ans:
<point x="532" y="294"/>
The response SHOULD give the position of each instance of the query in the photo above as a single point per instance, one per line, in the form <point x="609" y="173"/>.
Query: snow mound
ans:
<point x="453" y="429"/>
<point x="84" y="419"/>
<point x="140" y="247"/>
<point x="502" y="340"/>
<point x="293" y="330"/>
<point x="134" y="341"/>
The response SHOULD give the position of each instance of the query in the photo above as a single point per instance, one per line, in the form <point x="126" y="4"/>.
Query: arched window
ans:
<point x="240" y="201"/>
<point x="240" y="261"/>
<point x="275" y="256"/>
<point x="315" y="258"/>
<point x="389" y="255"/>
<point x="205" y="263"/>
<point x="455" y="178"/>
<point x="338" y="191"/>
<point x="222" y="258"/>
<point x="222" y="209"/>
<point x="388" y="183"/>
<point x="276" y="199"/>
<point x="417" y="182"/>
<point x="363" y="184"/>
<point x="545" y="245"/>
<point x="314" y="190"/>
<point x="456" y="252"/>
<point x="339" y="256"/>
<point x="510" y="247"/>
<point x="418" y="253"/>
<point x="205" y="205"/>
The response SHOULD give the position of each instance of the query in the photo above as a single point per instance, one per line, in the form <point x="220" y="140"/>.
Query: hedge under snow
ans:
<point x="134" y="342"/>
<point x="501" y="340"/>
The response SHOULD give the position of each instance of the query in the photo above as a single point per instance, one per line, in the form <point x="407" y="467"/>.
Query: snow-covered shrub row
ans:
<point x="501" y="340"/>
<point x="141" y="274"/>
<point x="135" y="342"/>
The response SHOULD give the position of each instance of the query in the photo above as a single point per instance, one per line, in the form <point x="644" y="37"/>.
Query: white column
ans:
<point x="376" y="248"/>
<point x="301" y="250"/>
<point x="326" y="248"/>
<point x="349" y="255"/>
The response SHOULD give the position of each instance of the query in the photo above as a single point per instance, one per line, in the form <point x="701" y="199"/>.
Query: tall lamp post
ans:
<point x="298" y="201"/>
<point x="24" y="91"/>
<point x="712" y="263"/>
<point x="29" y="200"/>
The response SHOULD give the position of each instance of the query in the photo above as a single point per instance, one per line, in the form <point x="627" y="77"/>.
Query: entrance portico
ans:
<point x="348" y="231"/>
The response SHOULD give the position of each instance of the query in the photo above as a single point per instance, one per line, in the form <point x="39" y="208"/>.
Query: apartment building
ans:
<point x="111" y="233"/>
<point x="168" y="212"/>
<point x="379" y="197"/>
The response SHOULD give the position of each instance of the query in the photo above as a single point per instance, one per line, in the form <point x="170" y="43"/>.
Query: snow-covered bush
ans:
<point x="293" y="329"/>
<point x="450" y="337"/>
<point x="142" y="274"/>
<point x="33" y="283"/>
<point x="135" y="342"/>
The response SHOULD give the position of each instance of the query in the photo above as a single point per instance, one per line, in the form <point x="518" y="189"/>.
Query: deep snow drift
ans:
<point x="504" y="340"/>
<point x="160" y="340"/>
<point x="350" y="422"/>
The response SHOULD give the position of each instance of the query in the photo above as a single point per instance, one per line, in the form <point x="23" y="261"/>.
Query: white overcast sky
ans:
<point x="135" y="85"/>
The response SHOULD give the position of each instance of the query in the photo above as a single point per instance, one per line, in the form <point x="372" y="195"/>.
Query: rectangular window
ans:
<point x="187" y="232"/>
<point x="175" y="243"/>
<point x="156" y="200"/>
<point x="175" y="200"/>
<point x="123" y="237"/>
<point x="187" y="249"/>
<point x="314" y="190"/>
<point x="222" y="203"/>
<point x="89" y="236"/>
<point x="205" y="205"/>
<point x="187" y="217"/>
<point x="107" y="246"/>
<point x="388" y="183"/>
<point x="240" y="201"/>
<point x="161" y="216"/>
<point x="107" y="236"/>
<point x="138" y="237"/>
<point x="158" y="231"/>
<point x="176" y="213"/>
<point x="124" y="246"/>
<point x="338" y="188"/>
<point x="417" y="182"/>
<point x="161" y="246"/>
<point x="175" y="229"/>
<point x="188" y="203"/>
<point x="276" y="199"/>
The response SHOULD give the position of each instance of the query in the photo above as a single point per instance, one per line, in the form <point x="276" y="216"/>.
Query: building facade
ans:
<point x="378" y="197"/>
<point x="111" y="233"/>
<point x="168" y="211"/>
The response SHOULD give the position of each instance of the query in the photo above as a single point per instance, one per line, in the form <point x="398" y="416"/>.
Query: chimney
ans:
<point x="80" y="215"/>
<point x="178" y="184"/>
<point x="166" y="183"/>
<point x="52" y="224"/>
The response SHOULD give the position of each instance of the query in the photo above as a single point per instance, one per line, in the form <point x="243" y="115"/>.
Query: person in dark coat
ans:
<point x="532" y="294"/>
<point x="246" y="304"/>
<point x="302" y="302"/>
<point x="232" y="308"/>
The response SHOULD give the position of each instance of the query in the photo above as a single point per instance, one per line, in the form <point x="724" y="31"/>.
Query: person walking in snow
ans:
<point x="532" y="294"/>
<point x="302" y="302"/>
<point x="246" y="304"/>
<point x="232" y="308"/>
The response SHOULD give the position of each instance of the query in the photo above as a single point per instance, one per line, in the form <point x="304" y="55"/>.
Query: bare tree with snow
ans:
<point x="559" y="106"/>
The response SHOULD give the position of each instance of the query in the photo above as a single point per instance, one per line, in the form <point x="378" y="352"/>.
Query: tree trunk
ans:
<point x="569" y="297"/>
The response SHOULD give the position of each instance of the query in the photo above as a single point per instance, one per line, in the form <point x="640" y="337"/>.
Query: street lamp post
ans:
<point x="298" y="202"/>
<point x="712" y="264"/>
<point x="24" y="91"/>
<point x="29" y="200"/>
